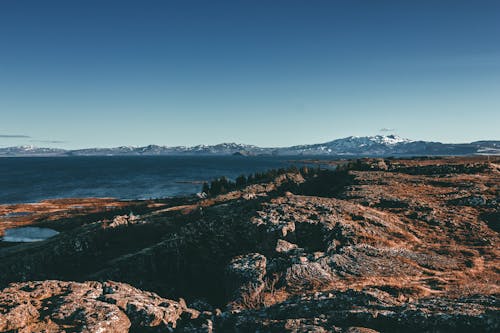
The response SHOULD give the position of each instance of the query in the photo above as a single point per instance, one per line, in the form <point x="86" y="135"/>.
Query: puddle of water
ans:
<point x="28" y="234"/>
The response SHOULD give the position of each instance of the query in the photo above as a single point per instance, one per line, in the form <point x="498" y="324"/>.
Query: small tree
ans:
<point x="241" y="180"/>
<point x="215" y="187"/>
<point x="205" y="188"/>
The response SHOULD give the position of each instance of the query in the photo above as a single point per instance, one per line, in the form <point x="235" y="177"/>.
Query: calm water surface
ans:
<point x="31" y="179"/>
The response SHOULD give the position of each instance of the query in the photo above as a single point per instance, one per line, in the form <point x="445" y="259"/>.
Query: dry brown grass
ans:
<point x="257" y="297"/>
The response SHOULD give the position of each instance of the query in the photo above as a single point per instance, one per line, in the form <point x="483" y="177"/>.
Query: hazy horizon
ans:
<point x="86" y="74"/>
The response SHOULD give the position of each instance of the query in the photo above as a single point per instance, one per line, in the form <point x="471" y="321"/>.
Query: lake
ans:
<point x="31" y="179"/>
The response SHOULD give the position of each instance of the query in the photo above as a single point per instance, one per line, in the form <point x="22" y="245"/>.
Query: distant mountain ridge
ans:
<point x="378" y="145"/>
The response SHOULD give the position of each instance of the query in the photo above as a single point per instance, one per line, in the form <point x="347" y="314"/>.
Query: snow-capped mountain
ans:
<point x="386" y="145"/>
<point x="353" y="145"/>
<point x="378" y="145"/>
<point x="219" y="149"/>
<point x="30" y="151"/>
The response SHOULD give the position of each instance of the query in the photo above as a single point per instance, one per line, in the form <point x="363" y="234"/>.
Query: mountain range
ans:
<point x="378" y="145"/>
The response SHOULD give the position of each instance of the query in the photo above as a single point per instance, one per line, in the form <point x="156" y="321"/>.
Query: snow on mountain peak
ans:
<point x="367" y="141"/>
<point x="27" y="147"/>
<point x="389" y="139"/>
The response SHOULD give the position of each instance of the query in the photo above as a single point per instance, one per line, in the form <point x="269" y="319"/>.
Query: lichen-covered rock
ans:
<point x="360" y="330"/>
<point x="377" y="311"/>
<point x="123" y="220"/>
<point x="88" y="307"/>
<point x="282" y="246"/>
<point x="144" y="309"/>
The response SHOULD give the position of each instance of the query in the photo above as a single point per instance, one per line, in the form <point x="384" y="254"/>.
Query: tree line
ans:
<point x="223" y="185"/>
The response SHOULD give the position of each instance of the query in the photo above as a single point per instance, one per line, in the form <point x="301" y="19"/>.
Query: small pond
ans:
<point x="28" y="234"/>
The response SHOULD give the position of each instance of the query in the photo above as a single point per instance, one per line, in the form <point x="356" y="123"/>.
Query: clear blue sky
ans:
<point x="272" y="73"/>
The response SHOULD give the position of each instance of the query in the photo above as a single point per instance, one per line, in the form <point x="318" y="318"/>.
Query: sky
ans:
<point x="77" y="74"/>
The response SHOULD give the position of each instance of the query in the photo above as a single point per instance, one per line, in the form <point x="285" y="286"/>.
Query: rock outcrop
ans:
<point x="57" y="306"/>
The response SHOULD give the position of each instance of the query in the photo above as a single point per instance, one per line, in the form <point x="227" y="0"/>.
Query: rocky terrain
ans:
<point x="385" y="245"/>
